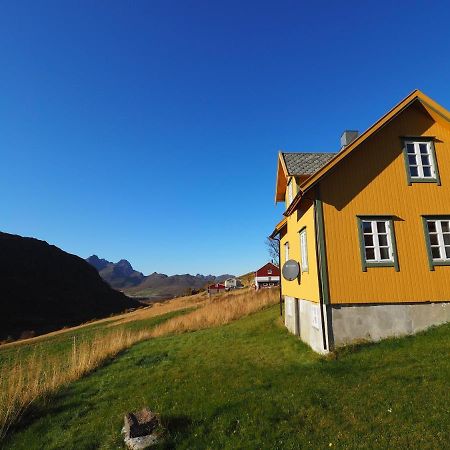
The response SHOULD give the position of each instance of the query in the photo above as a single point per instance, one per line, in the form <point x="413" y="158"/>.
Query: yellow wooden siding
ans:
<point x="373" y="181"/>
<point x="308" y="288"/>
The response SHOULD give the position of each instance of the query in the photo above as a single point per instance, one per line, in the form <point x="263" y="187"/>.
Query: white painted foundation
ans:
<point x="303" y="318"/>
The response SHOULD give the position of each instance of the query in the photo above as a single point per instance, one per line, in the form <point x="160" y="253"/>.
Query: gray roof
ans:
<point x="305" y="163"/>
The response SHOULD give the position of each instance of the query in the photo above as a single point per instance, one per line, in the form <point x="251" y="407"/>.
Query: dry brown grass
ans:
<point x="159" y="308"/>
<point x="38" y="375"/>
<point x="156" y="309"/>
<point x="26" y="379"/>
<point x="219" y="310"/>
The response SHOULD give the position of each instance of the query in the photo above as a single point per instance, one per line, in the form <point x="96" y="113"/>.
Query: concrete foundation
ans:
<point x="355" y="323"/>
<point x="348" y="324"/>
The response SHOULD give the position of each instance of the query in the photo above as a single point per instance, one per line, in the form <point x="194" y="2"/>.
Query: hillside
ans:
<point x="248" y="278"/>
<point x="44" y="288"/>
<point x="121" y="275"/>
<point x="281" y="394"/>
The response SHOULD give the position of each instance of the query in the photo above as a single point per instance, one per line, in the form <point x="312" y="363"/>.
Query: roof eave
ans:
<point x="278" y="228"/>
<point x="281" y="183"/>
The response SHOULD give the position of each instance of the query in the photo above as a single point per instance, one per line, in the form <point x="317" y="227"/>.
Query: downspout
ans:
<point x="321" y="264"/>
<point x="279" y="261"/>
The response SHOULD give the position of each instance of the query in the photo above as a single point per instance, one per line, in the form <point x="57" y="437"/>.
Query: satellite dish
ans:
<point x="290" y="270"/>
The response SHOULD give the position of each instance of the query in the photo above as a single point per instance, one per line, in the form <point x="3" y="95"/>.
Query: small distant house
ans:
<point x="232" y="283"/>
<point x="267" y="276"/>
<point x="216" y="288"/>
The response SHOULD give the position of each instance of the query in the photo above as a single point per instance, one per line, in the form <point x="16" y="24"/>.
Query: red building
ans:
<point x="267" y="276"/>
<point x="216" y="288"/>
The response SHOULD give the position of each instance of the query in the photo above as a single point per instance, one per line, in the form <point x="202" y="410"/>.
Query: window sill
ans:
<point x="371" y="265"/>
<point x="423" y="180"/>
<point x="433" y="264"/>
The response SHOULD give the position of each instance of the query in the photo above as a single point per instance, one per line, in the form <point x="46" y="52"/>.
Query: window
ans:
<point x="286" y="251"/>
<point x="437" y="232"/>
<point x="421" y="162"/>
<point x="304" y="250"/>
<point x="269" y="271"/>
<point x="290" y="191"/>
<point x="377" y="242"/>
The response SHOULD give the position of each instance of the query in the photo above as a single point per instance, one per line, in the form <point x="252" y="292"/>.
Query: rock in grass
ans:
<point x="142" y="429"/>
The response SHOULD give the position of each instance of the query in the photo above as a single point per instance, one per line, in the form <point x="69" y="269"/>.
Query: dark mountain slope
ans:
<point x="44" y="288"/>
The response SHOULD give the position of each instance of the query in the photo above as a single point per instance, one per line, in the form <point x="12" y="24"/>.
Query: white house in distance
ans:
<point x="232" y="283"/>
<point x="267" y="276"/>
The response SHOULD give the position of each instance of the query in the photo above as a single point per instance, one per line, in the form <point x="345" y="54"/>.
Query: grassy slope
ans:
<point x="248" y="278"/>
<point x="251" y="385"/>
<point x="59" y="341"/>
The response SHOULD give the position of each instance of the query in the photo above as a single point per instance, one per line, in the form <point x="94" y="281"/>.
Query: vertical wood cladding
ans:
<point x="372" y="180"/>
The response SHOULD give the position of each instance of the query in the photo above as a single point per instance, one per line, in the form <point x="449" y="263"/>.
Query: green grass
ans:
<point x="252" y="385"/>
<point x="61" y="344"/>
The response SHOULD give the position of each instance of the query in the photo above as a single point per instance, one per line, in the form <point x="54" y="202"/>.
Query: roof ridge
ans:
<point x="307" y="153"/>
<point x="415" y="95"/>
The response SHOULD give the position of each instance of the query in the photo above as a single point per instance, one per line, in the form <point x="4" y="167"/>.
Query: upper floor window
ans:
<point x="377" y="242"/>
<point x="290" y="188"/>
<point x="286" y="251"/>
<point x="269" y="271"/>
<point x="421" y="161"/>
<point x="304" y="250"/>
<point x="437" y="233"/>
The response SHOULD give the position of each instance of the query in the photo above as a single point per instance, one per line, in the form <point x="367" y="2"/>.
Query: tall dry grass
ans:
<point x="23" y="380"/>
<point x="218" y="311"/>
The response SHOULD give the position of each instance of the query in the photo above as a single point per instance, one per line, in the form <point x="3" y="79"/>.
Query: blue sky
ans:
<point x="149" y="130"/>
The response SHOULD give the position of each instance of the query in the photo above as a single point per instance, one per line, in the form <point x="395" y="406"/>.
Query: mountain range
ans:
<point x="44" y="288"/>
<point x="121" y="275"/>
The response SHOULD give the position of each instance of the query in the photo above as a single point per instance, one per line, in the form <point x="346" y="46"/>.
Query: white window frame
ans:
<point x="286" y="251"/>
<point x="290" y="188"/>
<point x="413" y="152"/>
<point x="441" y="237"/>
<point x="304" y="250"/>
<point x="375" y="234"/>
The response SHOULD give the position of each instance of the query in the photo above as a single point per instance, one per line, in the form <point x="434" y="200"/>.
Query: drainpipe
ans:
<point x="279" y="256"/>
<point x="318" y="223"/>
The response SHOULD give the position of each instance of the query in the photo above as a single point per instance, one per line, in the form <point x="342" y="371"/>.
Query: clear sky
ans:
<point x="149" y="130"/>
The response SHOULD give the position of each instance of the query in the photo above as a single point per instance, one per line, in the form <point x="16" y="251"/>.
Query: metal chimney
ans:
<point x="348" y="136"/>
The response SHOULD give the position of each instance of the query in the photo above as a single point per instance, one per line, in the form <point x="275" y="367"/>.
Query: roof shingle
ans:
<point x="305" y="163"/>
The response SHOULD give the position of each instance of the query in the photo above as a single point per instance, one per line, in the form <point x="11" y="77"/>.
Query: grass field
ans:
<point x="250" y="384"/>
<point x="35" y="369"/>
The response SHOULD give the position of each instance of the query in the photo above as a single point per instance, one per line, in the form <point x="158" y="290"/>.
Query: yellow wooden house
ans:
<point x="368" y="228"/>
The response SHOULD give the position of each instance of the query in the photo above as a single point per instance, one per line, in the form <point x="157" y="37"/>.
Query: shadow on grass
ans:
<point x="174" y="426"/>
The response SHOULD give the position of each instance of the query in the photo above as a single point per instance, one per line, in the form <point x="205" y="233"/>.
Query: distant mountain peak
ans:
<point x="97" y="262"/>
<point x="119" y="275"/>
